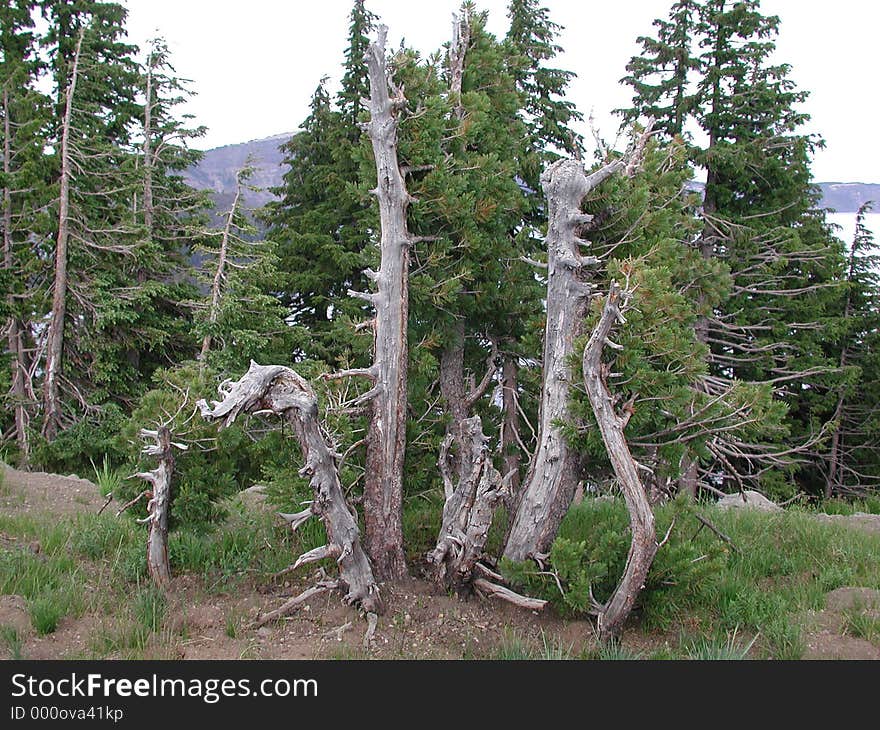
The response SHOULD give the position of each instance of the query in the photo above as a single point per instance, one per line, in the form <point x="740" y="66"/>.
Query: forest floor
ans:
<point x="70" y="591"/>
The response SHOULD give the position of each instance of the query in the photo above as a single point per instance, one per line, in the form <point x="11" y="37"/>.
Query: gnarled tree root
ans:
<point x="467" y="516"/>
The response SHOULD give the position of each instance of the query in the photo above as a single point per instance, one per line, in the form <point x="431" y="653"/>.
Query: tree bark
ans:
<point x="468" y="510"/>
<point x="55" y="336"/>
<point x="14" y="338"/>
<point x="386" y="432"/>
<point x="282" y="391"/>
<point x="643" y="545"/>
<point x="158" y="504"/>
<point x="553" y="474"/>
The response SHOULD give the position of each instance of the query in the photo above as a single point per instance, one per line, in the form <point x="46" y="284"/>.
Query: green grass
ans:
<point x="836" y="506"/>
<point x="11" y="640"/>
<point x="108" y="479"/>
<point x="783" y="565"/>
<point x="862" y="623"/>
<point x="46" y="611"/>
<point x="728" y="648"/>
<point x="149" y="607"/>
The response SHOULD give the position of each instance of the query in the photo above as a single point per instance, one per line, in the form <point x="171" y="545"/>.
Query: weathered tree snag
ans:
<point x="220" y="275"/>
<point x="553" y="474"/>
<point x="468" y="510"/>
<point x="461" y="38"/>
<point x="157" y="506"/>
<point x="282" y="391"/>
<point x="643" y="546"/>
<point x="55" y="334"/>
<point x="510" y="438"/>
<point x="386" y="432"/>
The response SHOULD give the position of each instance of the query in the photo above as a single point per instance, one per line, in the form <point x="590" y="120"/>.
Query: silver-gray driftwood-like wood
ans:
<point x="159" y="500"/>
<point x="643" y="545"/>
<point x="387" y="398"/>
<point x="553" y="474"/>
<point x="471" y="498"/>
<point x="281" y="390"/>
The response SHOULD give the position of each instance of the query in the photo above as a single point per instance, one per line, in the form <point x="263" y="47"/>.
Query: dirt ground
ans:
<point x="419" y="621"/>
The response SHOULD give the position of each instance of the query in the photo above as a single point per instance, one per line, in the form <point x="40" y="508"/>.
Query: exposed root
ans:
<point x="505" y="594"/>
<point x="372" y="623"/>
<point x="295" y="603"/>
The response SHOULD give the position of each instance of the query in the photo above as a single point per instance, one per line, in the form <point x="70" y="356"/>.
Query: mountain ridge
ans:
<point x="217" y="170"/>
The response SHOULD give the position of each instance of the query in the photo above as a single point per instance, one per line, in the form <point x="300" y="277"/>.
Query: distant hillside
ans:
<point x="217" y="171"/>
<point x="219" y="166"/>
<point x="848" y="197"/>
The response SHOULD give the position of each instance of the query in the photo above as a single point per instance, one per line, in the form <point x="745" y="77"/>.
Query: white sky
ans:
<point x="255" y="64"/>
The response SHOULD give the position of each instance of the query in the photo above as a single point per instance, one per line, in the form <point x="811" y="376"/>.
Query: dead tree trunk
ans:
<point x="282" y="391"/>
<point x="553" y="474"/>
<point x="458" y="395"/>
<point x="510" y="437"/>
<point x="386" y="431"/>
<point x="55" y="335"/>
<point x="220" y="274"/>
<point x="157" y="507"/>
<point x="13" y="334"/>
<point x="643" y="546"/>
<point x="471" y="498"/>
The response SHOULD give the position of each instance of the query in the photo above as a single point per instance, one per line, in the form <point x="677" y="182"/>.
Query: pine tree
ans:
<point x="96" y="79"/>
<point x="322" y="219"/>
<point x="23" y="115"/>
<point x="759" y="218"/>
<point x="242" y="318"/>
<point x="852" y="463"/>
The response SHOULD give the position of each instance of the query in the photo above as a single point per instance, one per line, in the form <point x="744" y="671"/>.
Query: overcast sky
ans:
<point x="255" y="64"/>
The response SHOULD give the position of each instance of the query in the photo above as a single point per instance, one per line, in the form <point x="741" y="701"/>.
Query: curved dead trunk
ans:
<point x="282" y="391"/>
<point x="643" y="546"/>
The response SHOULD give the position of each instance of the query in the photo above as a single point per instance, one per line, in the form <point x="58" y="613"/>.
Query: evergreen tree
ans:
<point x="853" y="455"/>
<point x="96" y="81"/>
<point x="243" y="318"/>
<point x="23" y="117"/>
<point x="759" y="217"/>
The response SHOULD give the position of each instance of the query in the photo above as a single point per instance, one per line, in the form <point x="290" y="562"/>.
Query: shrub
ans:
<point x="88" y="441"/>
<point x="589" y="556"/>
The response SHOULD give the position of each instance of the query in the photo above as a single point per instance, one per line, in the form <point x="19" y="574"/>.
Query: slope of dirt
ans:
<point x="830" y="637"/>
<point x="36" y="491"/>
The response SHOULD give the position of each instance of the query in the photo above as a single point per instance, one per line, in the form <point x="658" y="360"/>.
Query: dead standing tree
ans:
<point x="387" y="398"/>
<point x="159" y="499"/>
<point x="282" y="391"/>
<point x="643" y="546"/>
<point x="554" y="471"/>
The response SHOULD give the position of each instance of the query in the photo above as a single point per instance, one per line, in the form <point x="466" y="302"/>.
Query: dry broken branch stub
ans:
<point x="643" y="545"/>
<point x="553" y="473"/>
<point x="281" y="390"/>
